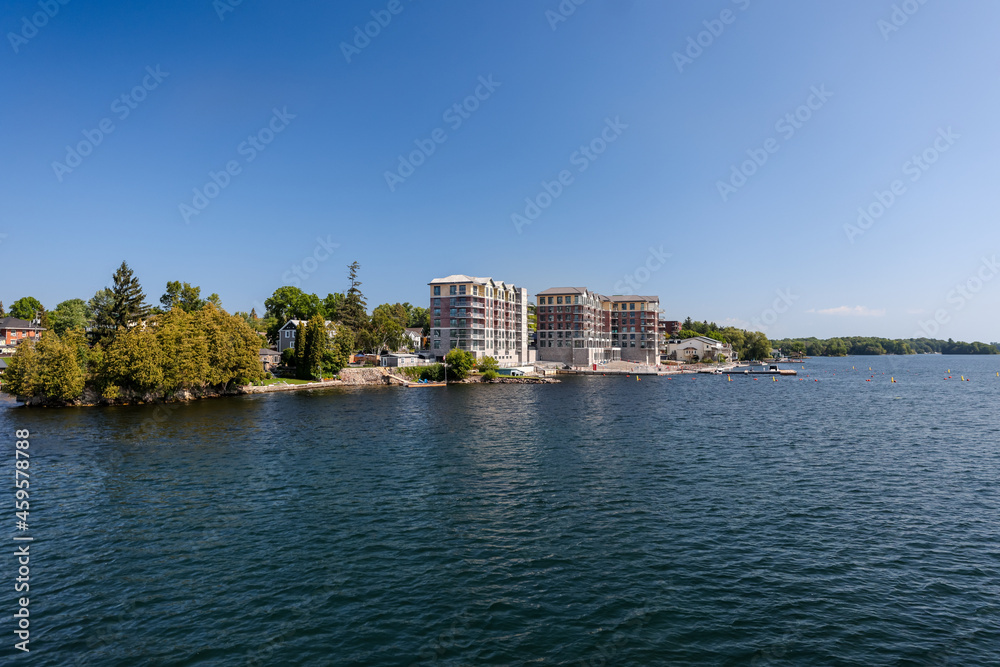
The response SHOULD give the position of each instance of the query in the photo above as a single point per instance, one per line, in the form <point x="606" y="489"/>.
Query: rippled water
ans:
<point x="599" y="521"/>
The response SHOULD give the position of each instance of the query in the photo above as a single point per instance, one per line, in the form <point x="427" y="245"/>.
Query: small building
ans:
<point x="696" y="349"/>
<point x="414" y="337"/>
<point x="13" y="330"/>
<point x="3" y="365"/>
<point x="401" y="360"/>
<point x="269" y="359"/>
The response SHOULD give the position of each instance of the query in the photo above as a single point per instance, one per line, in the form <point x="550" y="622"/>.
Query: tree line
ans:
<point x="746" y="344"/>
<point x="864" y="345"/>
<point x="120" y="348"/>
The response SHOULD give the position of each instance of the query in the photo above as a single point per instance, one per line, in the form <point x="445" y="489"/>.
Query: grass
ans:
<point x="285" y="381"/>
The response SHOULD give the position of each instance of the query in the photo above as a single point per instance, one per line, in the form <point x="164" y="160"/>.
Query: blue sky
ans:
<point x="781" y="249"/>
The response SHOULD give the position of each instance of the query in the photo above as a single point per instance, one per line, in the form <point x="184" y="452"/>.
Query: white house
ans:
<point x="286" y="334"/>
<point x="696" y="349"/>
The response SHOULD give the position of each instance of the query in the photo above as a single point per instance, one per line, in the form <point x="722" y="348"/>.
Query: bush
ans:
<point x="487" y="364"/>
<point x="460" y="362"/>
<point x="490" y="375"/>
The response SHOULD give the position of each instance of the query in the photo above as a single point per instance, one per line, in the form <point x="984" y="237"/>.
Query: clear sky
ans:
<point x="832" y="100"/>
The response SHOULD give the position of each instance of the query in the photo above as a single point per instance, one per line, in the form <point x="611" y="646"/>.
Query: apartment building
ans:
<point x="484" y="316"/>
<point x="573" y="327"/>
<point x="634" y="327"/>
<point x="579" y="327"/>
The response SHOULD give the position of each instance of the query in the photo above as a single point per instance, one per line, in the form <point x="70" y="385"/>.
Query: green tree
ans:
<point x="185" y="350"/>
<point x="289" y="303"/>
<point x="22" y="377"/>
<point x="757" y="346"/>
<point x="386" y="329"/>
<point x="183" y="296"/>
<point x="70" y="314"/>
<point x="317" y="338"/>
<point x="60" y="375"/>
<point x="355" y="310"/>
<point x="487" y="364"/>
<point x="26" y="308"/>
<point x="133" y="361"/>
<point x="460" y="362"/>
<point x="333" y="304"/>
<point x="340" y="351"/>
<point x="300" y="351"/>
<point x="3" y="313"/>
<point x="122" y="306"/>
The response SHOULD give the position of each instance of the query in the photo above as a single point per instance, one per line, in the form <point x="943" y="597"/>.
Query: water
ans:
<point x="599" y="521"/>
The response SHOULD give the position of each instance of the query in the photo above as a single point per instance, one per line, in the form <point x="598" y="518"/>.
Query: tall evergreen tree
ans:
<point x="2" y="312"/>
<point x="315" y="348"/>
<point x="129" y="306"/>
<point x="355" y="308"/>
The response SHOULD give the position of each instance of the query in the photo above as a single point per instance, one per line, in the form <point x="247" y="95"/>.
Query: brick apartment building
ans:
<point x="579" y="327"/>
<point x="484" y="316"/>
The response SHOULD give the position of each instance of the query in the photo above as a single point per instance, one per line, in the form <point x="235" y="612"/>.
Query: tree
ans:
<point x="132" y="361"/>
<point x="26" y="308"/>
<point x="183" y="296"/>
<point x="22" y="375"/>
<point x="185" y="350"/>
<point x="355" y="310"/>
<point x="3" y="313"/>
<point x="487" y="364"/>
<point x="419" y="317"/>
<point x="300" y="350"/>
<point x="316" y="339"/>
<point x="339" y="353"/>
<point x="289" y="303"/>
<point x="387" y="328"/>
<point x="122" y="306"/>
<point x="332" y="306"/>
<point x="60" y="374"/>
<point x="70" y="314"/>
<point x="757" y="346"/>
<point x="460" y="362"/>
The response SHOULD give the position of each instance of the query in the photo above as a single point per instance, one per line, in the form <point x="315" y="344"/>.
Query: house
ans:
<point x="696" y="349"/>
<point x="414" y="337"/>
<point x="269" y="359"/>
<point x="14" y="330"/>
<point x="286" y="334"/>
<point x="401" y="360"/>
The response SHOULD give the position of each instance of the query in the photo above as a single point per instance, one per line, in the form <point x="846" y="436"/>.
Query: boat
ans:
<point x="760" y="369"/>
<point x="426" y="384"/>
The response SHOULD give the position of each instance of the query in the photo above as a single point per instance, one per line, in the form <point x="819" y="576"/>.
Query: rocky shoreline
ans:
<point x="349" y="377"/>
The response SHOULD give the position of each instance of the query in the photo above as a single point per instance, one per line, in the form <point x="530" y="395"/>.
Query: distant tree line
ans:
<point x="863" y="345"/>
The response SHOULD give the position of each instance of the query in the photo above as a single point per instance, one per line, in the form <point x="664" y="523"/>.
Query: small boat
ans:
<point x="426" y="384"/>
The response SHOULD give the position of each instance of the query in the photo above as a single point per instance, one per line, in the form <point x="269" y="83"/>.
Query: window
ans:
<point x="437" y="302"/>
<point x="452" y="313"/>
<point x="558" y="299"/>
<point x="461" y="289"/>
<point x="437" y="323"/>
<point x="550" y="300"/>
<point x="437" y="333"/>
<point x="288" y="334"/>
<point x="631" y="306"/>
<point x="452" y="289"/>
<point x="437" y="345"/>
<point x="437" y="312"/>
<point x="437" y="290"/>
<point x="475" y="290"/>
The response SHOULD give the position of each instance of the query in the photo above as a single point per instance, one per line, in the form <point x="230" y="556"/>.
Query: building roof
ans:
<point x="265" y="352"/>
<point x="15" y="323"/>
<point x="296" y="323"/>
<point x="632" y="297"/>
<point x="416" y="330"/>
<point x="462" y="278"/>
<point x="3" y="364"/>
<point x="564" y="290"/>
